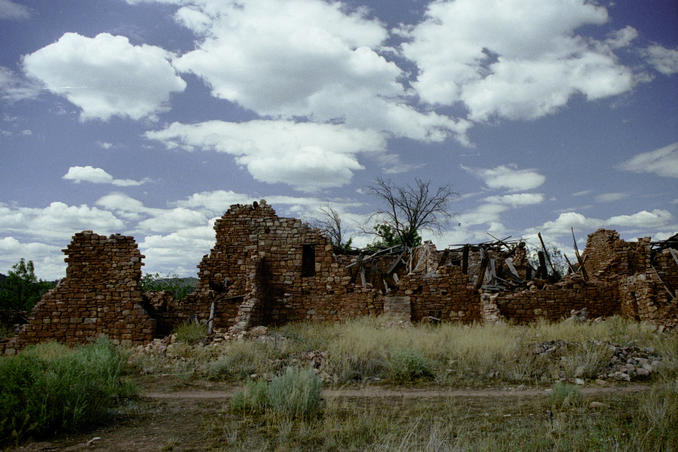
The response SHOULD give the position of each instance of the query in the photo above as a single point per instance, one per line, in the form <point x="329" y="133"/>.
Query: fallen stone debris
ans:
<point x="627" y="362"/>
<point x="266" y="270"/>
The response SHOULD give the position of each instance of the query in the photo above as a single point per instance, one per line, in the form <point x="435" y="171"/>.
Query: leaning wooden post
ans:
<point x="546" y="253"/>
<point x="579" y="259"/>
<point x="210" y="323"/>
<point x="484" y="260"/>
<point x="542" y="272"/>
<point x="569" y="265"/>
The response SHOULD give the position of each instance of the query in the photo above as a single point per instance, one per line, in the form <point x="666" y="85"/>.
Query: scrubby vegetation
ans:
<point x="191" y="332"/>
<point x="294" y="394"/>
<point x="21" y="289"/>
<point x="363" y="350"/>
<point x="51" y="388"/>
<point x="282" y="370"/>
<point x="565" y="421"/>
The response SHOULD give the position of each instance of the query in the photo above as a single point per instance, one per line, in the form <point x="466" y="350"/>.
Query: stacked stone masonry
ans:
<point x="267" y="270"/>
<point x="101" y="294"/>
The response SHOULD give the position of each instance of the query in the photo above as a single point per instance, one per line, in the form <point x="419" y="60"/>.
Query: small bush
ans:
<point x="191" y="332"/>
<point x="50" y="388"/>
<point x="294" y="394"/>
<point x="405" y="366"/>
<point x="589" y="358"/>
<point x="565" y="395"/>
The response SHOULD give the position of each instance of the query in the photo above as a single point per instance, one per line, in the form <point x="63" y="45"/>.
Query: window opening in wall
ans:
<point x="308" y="260"/>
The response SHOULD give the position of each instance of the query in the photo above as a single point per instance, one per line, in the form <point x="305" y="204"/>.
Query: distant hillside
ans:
<point x="2" y="277"/>
<point x="186" y="282"/>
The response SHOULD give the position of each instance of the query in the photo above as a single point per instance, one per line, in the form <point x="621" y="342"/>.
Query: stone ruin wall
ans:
<point x="259" y="256"/>
<point x="556" y="301"/>
<point x="266" y="270"/>
<point x="101" y="294"/>
<point x="442" y="295"/>
<point x="621" y="281"/>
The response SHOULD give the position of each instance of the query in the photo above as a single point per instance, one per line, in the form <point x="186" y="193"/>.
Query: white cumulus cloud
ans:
<point x="58" y="220"/>
<point x="309" y="59"/>
<point x="662" y="162"/>
<point x="308" y="156"/>
<point x="643" y="221"/>
<point x="517" y="59"/>
<point x="662" y="59"/>
<point x="106" y="75"/>
<point x="98" y="176"/>
<point x="517" y="200"/>
<point x="508" y="177"/>
<point x="48" y="259"/>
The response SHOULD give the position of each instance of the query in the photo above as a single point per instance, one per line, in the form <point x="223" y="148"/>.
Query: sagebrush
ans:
<point x="50" y="388"/>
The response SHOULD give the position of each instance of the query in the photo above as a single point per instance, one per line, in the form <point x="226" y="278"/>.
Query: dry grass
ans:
<point x="364" y="350"/>
<point x="564" y="421"/>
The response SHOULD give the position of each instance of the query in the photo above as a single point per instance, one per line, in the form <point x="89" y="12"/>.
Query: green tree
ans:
<point x="21" y="290"/>
<point x="408" y="209"/>
<point x="389" y="237"/>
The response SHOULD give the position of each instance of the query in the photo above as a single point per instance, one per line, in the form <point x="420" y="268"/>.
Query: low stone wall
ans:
<point x="644" y="297"/>
<point x="556" y="301"/>
<point x="443" y="295"/>
<point x="101" y="294"/>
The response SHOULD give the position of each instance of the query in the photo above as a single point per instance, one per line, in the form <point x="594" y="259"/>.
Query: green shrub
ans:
<point x="565" y="395"/>
<point x="253" y="399"/>
<point x="21" y="289"/>
<point x="294" y="394"/>
<point x="406" y="366"/>
<point x="47" y="389"/>
<point x="191" y="332"/>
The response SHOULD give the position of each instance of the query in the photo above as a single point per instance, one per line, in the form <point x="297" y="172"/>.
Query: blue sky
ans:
<point x="151" y="117"/>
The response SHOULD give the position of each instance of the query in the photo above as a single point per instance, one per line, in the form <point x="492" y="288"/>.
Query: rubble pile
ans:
<point x="627" y="362"/>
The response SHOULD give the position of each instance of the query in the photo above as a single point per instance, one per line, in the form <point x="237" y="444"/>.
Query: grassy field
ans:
<point x="51" y="388"/>
<point x="365" y="351"/>
<point x="518" y="392"/>
<point x="571" y="422"/>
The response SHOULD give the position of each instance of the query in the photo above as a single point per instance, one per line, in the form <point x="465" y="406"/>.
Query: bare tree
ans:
<point x="331" y="225"/>
<point x="409" y="209"/>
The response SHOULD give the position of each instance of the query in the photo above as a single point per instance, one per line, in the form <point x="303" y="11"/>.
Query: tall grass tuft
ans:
<point x="50" y="388"/>
<point x="294" y="394"/>
<point x="191" y="332"/>
<point x="409" y="366"/>
<point x="564" y="395"/>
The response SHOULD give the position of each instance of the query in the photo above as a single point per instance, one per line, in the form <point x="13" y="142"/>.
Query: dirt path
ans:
<point x="177" y="420"/>
<point x="422" y="393"/>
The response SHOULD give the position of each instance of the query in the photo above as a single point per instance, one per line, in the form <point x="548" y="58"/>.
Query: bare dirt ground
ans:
<point x="407" y="393"/>
<point x="173" y="418"/>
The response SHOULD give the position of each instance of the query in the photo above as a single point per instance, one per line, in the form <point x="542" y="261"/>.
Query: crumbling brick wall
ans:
<point x="606" y="255"/>
<point x="101" y="294"/>
<point x="444" y="294"/>
<point x="556" y="301"/>
<point x="644" y="296"/>
<point x="286" y="266"/>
